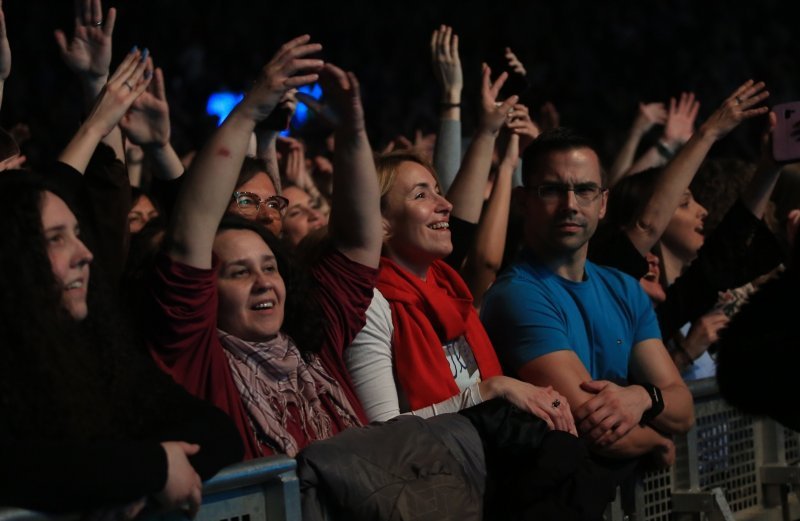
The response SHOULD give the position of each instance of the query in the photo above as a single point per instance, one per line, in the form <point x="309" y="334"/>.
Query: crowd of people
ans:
<point x="512" y="326"/>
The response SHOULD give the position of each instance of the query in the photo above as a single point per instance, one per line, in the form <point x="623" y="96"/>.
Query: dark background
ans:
<point x="594" y="61"/>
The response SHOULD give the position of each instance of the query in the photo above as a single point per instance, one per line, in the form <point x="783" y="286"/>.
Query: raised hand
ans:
<point x="127" y="83"/>
<point x="88" y="53"/>
<point x="5" y="50"/>
<point x="514" y="63"/>
<point x="343" y="97"/>
<point x="649" y="115"/>
<point x="147" y="121"/>
<point x="739" y="106"/>
<point x="493" y="113"/>
<point x="283" y="72"/>
<point x="680" y="120"/>
<point x="446" y="64"/>
<point x="521" y="124"/>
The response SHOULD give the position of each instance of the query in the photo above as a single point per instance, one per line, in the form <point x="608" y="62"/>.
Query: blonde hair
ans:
<point x="387" y="165"/>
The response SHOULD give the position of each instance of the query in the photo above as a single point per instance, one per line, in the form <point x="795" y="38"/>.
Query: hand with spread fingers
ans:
<point x="679" y="126"/>
<point x="88" y="52"/>
<point x="494" y="114"/>
<point x="612" y="412"/>
<point x="446" y="64"/>
<point x="739" y="106"/>
<point x="289" y="68"/>
<point x="147" y="121"/>
<point x="127" y="83"/>
<point x="344" y="97"/>
<point x="521" y="124"/>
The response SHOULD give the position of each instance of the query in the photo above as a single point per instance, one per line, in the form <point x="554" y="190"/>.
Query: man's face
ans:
<point x="560" y="222"/>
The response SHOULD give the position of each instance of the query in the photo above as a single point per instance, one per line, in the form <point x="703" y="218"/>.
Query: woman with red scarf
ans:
<point x="424" y="350"/>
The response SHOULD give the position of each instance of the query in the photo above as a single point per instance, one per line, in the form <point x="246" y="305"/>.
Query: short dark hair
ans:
<point x="559" y="139"/>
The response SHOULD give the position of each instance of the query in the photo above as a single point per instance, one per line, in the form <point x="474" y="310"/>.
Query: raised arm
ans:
<point x="210" y="181"/>
<point x="466" y="194"/>
<point x="758" y="192"/>
<point x="648" y="115"/>
<point x="5" y="53"/>
<point x="486" y="254"/>
<point x="268" y="131"/>
<point x="355" y="221"/>
<point x="88" y="55"/>
<point x="450" y="79"/>
<point x="678" y="128"/>
<point x="128" y="82"/>
<point x="147" y="125"/>
<point x="675" y="178"/>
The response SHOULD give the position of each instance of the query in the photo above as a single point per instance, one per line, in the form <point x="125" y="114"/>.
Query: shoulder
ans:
<point x="616" y="281"/>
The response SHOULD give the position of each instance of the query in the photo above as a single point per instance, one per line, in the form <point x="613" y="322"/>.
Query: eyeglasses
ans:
<point x="585" y="193"/>
<point x="250" y="203"/>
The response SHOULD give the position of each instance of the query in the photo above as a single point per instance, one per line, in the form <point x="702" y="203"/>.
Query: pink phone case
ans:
<point x="786" y="136"/>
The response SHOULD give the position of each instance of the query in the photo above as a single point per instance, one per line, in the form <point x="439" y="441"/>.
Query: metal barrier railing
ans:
<point x="728" y="466"/>
<point x="264" y="489"/>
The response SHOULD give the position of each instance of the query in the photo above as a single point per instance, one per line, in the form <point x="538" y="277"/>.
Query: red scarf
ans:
<point x="426" y="315"/>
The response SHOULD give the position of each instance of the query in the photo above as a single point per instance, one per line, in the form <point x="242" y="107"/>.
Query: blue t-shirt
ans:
<point x="530" y="311"/>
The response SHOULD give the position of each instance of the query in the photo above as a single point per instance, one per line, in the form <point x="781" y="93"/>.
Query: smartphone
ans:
<point x="786" y="136"/>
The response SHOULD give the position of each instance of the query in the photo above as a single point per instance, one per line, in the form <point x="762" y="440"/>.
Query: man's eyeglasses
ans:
<point x="585" y="193"/>
<point x="250" y="203"/>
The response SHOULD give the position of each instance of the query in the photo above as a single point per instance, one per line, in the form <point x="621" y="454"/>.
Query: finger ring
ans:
<point x="738" y="100"/>
<point x="128" y="85"/>
<point x="556" y="403"/>
<point x="98" y="24"/>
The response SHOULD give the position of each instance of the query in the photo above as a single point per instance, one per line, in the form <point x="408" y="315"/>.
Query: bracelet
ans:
<point x="664" y="151"/>
<point x="657" y="406"/>
<point x="450" y="105"/>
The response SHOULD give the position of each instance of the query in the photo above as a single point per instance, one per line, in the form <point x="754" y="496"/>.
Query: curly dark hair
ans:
<point x="303" y="318"/>
<point x="60" y="378"/>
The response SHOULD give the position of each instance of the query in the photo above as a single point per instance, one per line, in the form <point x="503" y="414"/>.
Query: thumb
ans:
<point x="594" y="386"/>
<point x="190" y="449"/>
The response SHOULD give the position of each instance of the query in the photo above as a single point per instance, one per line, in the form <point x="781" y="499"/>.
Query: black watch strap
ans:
<point x="657" y="406"/>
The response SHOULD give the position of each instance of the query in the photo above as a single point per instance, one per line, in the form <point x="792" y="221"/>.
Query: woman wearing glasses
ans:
<point x="235" y="324"/>
<point x="256" y="197"/>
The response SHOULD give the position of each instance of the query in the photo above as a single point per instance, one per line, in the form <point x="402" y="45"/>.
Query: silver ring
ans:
<point x="127" y="85"/>
<point x="738" y="100"/>
<point x="556" y="403"/>
<point x="98" y="24"/>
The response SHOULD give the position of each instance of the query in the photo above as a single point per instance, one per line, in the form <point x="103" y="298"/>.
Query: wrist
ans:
<point x="673" y="143"/>
<point x="451" y="97"/>
<point x="656" y="403"/>
<point x="664" y="150"/>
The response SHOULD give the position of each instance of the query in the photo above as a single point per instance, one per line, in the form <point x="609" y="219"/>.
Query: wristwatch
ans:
<point x="657" y="403"/>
